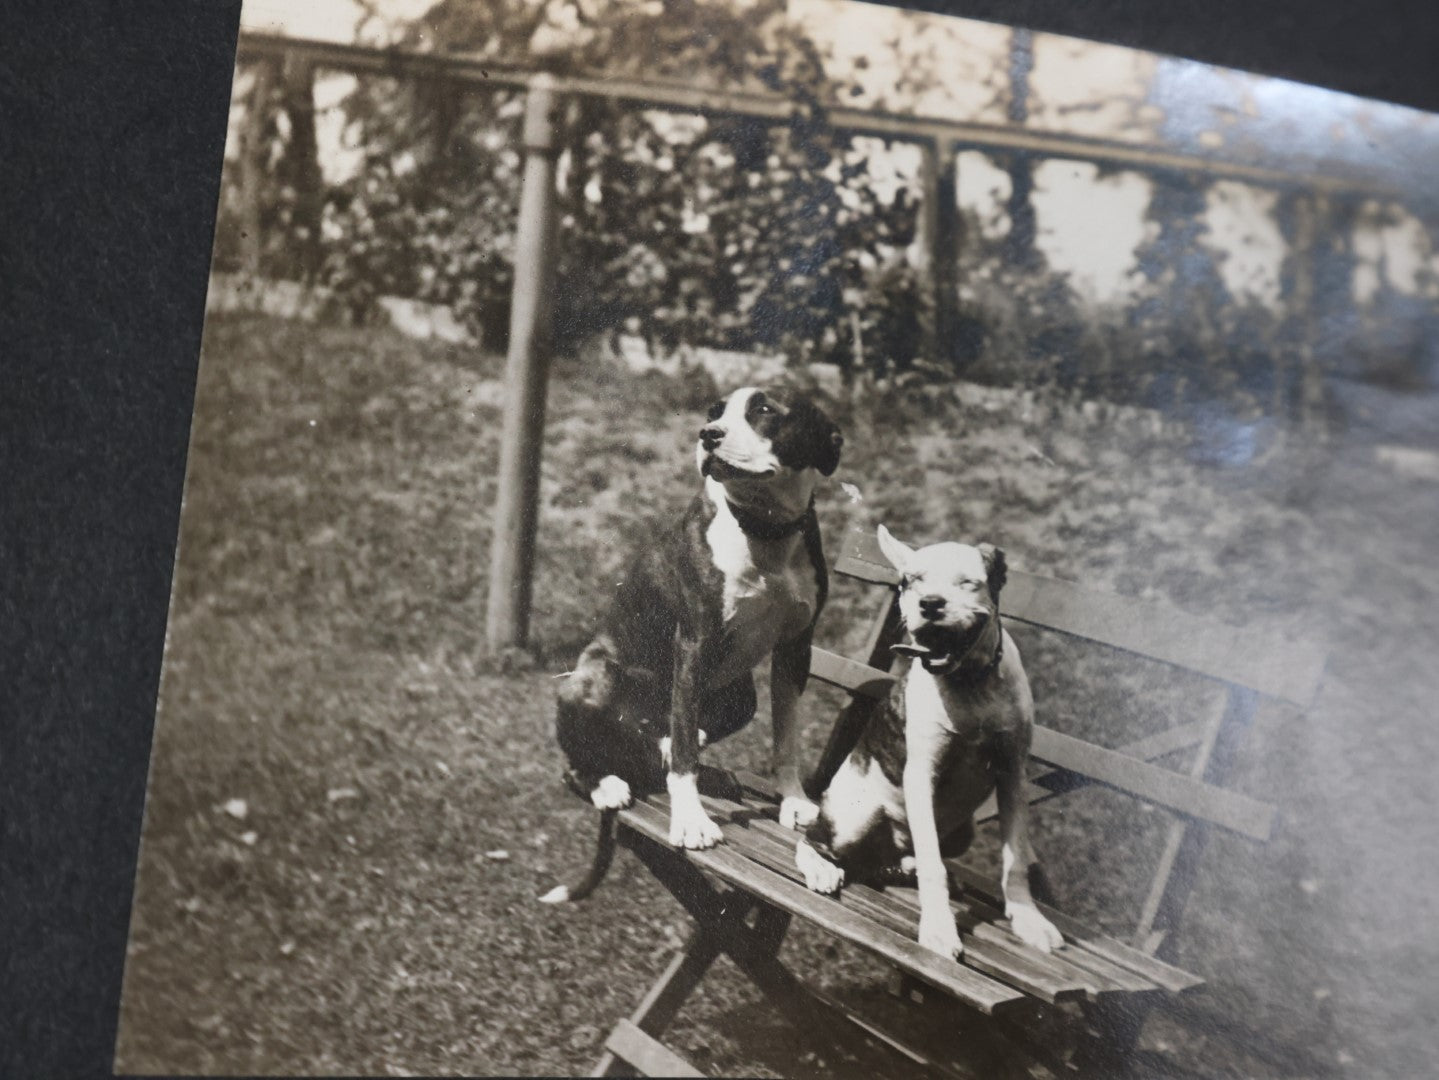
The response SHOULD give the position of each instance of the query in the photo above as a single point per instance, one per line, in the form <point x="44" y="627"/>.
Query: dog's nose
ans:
<point x="711" y="435"/>
<point x="931" y="606"/>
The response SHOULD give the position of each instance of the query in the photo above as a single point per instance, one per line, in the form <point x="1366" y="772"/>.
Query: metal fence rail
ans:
<point x="714" y="101"/>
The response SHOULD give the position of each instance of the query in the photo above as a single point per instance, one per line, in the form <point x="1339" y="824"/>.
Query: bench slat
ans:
<point x="1148" y="748"/>
<point x="1227" y="809"/>
<point x="983" y="894"/>
<point x="970" y="986"/>
<point x="769" y="843"/>
<point x="646" y="1054"/>
<point x="1094" y="967"/>
<point x="1172" y="790"/>
<point x="1248" y="656"/>
<point x="1075" y="963"/>
<point x="1168" y="976"/>
<point x="849" y="674"/>
<point x="1079" y="949"/>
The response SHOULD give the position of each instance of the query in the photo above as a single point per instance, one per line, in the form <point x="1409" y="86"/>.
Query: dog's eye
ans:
<point x="905" y="581"/>
<point x="764" y="407"/>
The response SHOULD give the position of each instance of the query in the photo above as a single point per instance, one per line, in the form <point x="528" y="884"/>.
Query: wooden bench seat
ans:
<point x="1112" y="983"/>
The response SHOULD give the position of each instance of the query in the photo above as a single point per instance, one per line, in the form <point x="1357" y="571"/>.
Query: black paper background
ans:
<point x="112" y="122"/>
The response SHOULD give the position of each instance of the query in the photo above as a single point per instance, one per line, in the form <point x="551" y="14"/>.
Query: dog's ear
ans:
<point x="996" y="570"/>
<point x="895" y="551"/>
<point x="809" y="440"/>
<point x="828" y="448"/>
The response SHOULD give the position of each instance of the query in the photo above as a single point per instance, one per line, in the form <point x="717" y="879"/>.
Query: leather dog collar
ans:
<point x="752" y="524"/>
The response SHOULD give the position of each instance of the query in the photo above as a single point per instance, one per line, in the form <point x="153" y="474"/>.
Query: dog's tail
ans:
<point x="604" y="855"/>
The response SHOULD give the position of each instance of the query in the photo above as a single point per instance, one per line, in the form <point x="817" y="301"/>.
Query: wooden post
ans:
<point x="939" y="245"/>
<point x="1294" y="360"/>
<point x="303" y="166"/>
<point x="512" y="547"/>
<point x="253" y="148"/>
<point x="1309" y="210"/>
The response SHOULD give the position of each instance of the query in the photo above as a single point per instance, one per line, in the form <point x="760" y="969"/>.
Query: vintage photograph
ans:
<point x="797" y="538"/>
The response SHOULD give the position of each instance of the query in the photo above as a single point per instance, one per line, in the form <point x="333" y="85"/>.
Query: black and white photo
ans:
<point x="796" y="538"/>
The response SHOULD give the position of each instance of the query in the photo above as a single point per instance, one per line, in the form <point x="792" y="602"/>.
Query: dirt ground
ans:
<point x="351" y="813"/>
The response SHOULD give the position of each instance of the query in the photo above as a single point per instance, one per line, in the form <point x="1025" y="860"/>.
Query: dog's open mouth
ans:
<point x="723" y="470"/>
<point x="939" y="647"/>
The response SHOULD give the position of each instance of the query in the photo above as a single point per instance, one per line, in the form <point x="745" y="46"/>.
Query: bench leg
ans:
<point x="755" y="951"/>
<point x="689" y="967"/>
<point x="668" y="995"/>
<point x="1185" y="842"/>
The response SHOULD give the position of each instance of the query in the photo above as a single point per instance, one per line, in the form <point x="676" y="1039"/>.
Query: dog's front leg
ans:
<point x="789" y="671"/>
<point x="936" y="920"/>
<point x="1030" y="925"/>
<point x="690" y="826"/>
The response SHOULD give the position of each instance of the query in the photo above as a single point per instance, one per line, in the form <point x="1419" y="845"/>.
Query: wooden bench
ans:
<point x="743" y="894"/>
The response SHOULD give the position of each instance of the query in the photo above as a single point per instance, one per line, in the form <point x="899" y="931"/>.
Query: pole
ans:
<point x="1298" y="391"/>
<point x="1309" y="210"/>
<point x="939" y="246"/>
<point x="298" y="74"/>
<point x="253" y="152"/>
<point x="512" y="548"/>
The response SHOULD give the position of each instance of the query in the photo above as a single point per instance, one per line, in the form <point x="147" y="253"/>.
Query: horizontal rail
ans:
<point x="1051" y="783"/>
<point x="1227" y="809"/>
<point x="711" y="101"/>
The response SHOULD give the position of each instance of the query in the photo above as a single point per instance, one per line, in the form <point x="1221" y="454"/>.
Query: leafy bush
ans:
<point x="725" y="232"/>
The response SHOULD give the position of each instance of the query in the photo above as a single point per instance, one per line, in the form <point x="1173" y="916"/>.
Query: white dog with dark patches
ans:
<point x="956" y="729"/>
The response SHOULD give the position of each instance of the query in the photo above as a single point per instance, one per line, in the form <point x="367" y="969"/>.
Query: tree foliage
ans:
<point x="722" y="231"/>
<point x="774" y="236"/>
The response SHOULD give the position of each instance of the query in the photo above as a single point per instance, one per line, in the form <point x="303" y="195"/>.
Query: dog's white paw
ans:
<point x="611" y="793"/>
<point x="692" y="828"/>
<point x="820" y="874"/>
<point x="939" y="934"/>
<point x="797" y="812"/>
<point x="1033" y="928"/>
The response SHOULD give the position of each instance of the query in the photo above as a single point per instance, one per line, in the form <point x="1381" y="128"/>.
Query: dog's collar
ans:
<point x="752" y="524"/>
<point x="954" y="665"/>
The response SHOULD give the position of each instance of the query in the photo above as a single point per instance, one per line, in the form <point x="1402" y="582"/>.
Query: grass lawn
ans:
<point x="351" y="813"/>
